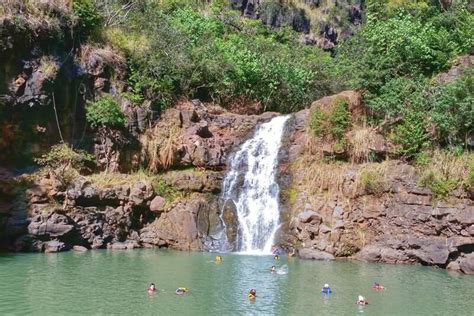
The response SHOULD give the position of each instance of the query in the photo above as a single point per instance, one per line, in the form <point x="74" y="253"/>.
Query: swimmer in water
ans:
<point x="292" y="253"/>
<point x="277" y="257"/>
<point x="362" y="301"/>
<point x="152" y="288"/>
<point x="181" y="290"/>
<point x="252" y="294"/>
<point x="273" y="269"/>
<point x="326" y="289"/>
<point x="378" y="287"/>
<point x="218" y="259"/>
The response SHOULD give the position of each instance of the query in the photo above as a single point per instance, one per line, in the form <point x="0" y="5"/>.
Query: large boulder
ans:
<point x="466" y="264"/>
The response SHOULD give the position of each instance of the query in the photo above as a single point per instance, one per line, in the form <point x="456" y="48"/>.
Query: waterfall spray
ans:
<point x="251" y="183"/>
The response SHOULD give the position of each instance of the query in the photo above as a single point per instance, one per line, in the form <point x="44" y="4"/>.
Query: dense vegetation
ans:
<point x="206" y="50"/>
<point x="186" y="48"/>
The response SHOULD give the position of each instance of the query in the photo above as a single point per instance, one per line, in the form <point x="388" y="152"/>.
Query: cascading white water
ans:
<point x="251" y="184"/>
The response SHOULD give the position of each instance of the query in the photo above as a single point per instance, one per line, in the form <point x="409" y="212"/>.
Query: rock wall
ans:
<point x="328" y="213"/>
<point x="124" y="212"/>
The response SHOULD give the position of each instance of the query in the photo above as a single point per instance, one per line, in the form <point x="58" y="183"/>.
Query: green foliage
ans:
<point x="176" y="50"/>
<point x="411" y="134"/>
<point x="88" y="15"/>
<point x="440" y="186"/>
<point x="470" y="178"/>
<point x="396" y="96"/>
<point x="163" y="189"/>
<point x="452" y="109"/>
<point x="63" y="156"/>
<point x="105" y="112"/>
<point x="331" y="122"/>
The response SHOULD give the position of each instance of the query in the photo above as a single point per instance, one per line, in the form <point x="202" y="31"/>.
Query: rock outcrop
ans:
<point x="374" y="212"/>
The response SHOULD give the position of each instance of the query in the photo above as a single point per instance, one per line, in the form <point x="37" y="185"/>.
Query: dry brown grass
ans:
<point x="448" y="164"/>
<point x="36" y="13"/>
<point x="342" y="178"/>
<point x="159" y="148"/>
<point x="445" y="171"/>
<point x="104" y="179"/>
<point x="49" y="66"/>
<point x="361" y="141"/>
<point x="91" y="53"/>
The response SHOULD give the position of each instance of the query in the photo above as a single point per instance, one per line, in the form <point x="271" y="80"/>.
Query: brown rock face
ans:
<point x="184" y="225"/>
<point x="193" y="134"/>
<point x="369" y="211"/>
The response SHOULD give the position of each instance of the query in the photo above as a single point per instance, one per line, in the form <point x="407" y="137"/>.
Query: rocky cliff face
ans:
<point x="177" y="209"/>
<point x="322" y="23"/>
<point x="373" y="212"/>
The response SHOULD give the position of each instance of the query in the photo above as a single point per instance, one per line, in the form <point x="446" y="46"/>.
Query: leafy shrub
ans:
<point x="180" y="51"/>
<point x="105" y="112"/>
<point x="405" y="45"/>
<point x="65" y="163"/>
<point x="396" y="96"/>
<point x="163" y="189"/>
<point x="452" y="109"/>
<point x="410" y="134"/>
<point x="440" y="186"/>
<point x="331" y="122"/>
<point x="63" y="156"/>
<point x="88" y="15"/>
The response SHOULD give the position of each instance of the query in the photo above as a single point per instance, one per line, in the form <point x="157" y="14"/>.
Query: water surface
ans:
<point x="114" y="282"/>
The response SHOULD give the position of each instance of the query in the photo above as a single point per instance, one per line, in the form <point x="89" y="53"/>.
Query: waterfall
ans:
<point x="252" y="185"/>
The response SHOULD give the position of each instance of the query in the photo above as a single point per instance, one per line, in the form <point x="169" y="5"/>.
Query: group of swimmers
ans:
<point x="360" y="300"/>
<point x="252" y="295"/>
<point x="179" y="291"/>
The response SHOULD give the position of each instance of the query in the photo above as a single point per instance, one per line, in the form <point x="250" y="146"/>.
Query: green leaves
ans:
<point x="106" y="112"/>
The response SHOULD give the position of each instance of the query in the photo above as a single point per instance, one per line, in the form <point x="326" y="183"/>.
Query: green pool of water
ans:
<point x="115" y="282"/>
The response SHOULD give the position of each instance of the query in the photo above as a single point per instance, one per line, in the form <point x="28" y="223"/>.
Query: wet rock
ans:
<point x="79" y="248"/>
<point x="466" y="264"/>
<point x="54" y="246"/>
<point x="308" y="253"/>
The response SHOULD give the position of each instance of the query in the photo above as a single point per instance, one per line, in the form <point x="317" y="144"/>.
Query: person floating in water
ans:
<point x="378" y="287"/>
<point x="152" y="288"/>
<point x="273" y="269"/>
<point x="362" y="301"/>
<point x="326" y="289"/>
<point x="252" y="294"/>
<point x="181" y="290"/>
<point x="277" y="257"/>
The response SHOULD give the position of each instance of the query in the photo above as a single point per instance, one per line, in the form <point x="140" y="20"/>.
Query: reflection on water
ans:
<point x="115" y="282"/>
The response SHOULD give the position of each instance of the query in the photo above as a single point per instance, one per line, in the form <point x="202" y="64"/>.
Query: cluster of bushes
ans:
<point x="331" y="123"/>
<point x="403" y="45"/>
<point x="177" y="50"/>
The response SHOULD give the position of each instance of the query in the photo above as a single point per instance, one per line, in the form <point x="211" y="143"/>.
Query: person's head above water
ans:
<point x="277" y="257"/>
<point x="218" y="258"/>
<point x="152" y="287"/>
<point x="326" y="285"/>
<point x="361" y="298"/>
